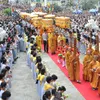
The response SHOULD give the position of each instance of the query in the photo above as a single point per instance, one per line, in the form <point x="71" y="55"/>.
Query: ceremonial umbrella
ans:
<point x="77" y="12"/>
<point x="93" y="11"/>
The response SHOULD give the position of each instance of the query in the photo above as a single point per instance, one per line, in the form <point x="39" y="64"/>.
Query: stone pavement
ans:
<point x="24" y="88"/>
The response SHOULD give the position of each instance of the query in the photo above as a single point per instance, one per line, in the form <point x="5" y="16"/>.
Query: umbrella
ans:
<point x="77" y="11"/>
<point x="93" y="10"/>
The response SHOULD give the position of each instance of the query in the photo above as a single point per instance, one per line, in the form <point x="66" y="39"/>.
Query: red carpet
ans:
<point x="84" y="88"/>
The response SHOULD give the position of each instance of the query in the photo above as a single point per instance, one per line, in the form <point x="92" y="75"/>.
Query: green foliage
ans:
<point x="70" y="3"/>
<point x="57" y="8"/>
<point x="7" y="11"/>
<point x="89" y="4"/>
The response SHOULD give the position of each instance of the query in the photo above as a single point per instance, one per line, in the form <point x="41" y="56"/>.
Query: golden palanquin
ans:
<point x="49" y="16"/>
<point x="40" y="14"/>
<point x="47" y="24"/>
<point x="24" y="15"/>
<point x="37" y="22"/>
<point x="31" y="17"/>
<point x="63" y="22"/>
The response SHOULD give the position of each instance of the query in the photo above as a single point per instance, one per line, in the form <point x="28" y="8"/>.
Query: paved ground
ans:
<point x="24" y="88"/>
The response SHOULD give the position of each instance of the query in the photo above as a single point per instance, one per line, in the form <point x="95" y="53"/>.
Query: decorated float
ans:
<point x="49" y="16"/>
<point x="37" y="22"/>
<point x="63" y="22"/>
<point x="47" y="24"/>
<point x="24" y="15"/>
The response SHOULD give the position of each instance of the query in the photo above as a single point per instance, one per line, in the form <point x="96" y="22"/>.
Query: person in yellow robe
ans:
<point x="74" y="67"/>
<point x="95" y="52"/>
<point x="91" y="66"/>
<point x="99" y="75"/>
<point x="64" y="40"/>
<point x="39" y="41"/>
<point x="90" y="49"/>
<point x="41" y="31"/>
<point x="95" y="70"/>
<point x="60" y="40"/>
<point x="99" y="57"/>
<point x="98" y="80"/>
<point x="67" y="55"/>
<point x="53" y="44"/>
<point x="87" y="59"/>
<point x="49" y="39"/>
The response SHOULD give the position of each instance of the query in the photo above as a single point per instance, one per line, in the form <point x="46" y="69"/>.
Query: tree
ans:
<point x="70" y="4"/>
<point x="89" y="4"/>
<point x="57" y="8"/>
<point x="7" y="11"/>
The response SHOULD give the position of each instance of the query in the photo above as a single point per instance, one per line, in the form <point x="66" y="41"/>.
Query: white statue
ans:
<point x="3" y="34"/>
<point x="92" y="24"/>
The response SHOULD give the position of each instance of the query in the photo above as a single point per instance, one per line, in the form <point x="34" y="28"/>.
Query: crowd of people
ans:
<point x="8" y="56"/>
<point x="62" y="42"/>
<point x="20" y="40"/>
<point x="24" y="37"/>
<point x="47" y="87"/>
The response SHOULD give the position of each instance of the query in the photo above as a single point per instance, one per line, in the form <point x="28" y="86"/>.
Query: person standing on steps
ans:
<point x="45" y="41"/>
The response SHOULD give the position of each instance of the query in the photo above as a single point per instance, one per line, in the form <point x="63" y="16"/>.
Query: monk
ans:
<point x="67" y="55"/>
<point x="99" y="77"/>
<point x="95" y="80"/>
<point x="86" y="61"/>
<point x="60" y="40"/>
<point x="39" y="41"/>
<point x="90" y="49"/>
<point x="41" y="31"/>
<point x="95" y="52"/>
<point x="53" y="44"/>
<point x="92" y="66"/>
<point x="99" y="57"/>
<point x="99" y="82"/>
<point x="74" y="69"/>
<point x="49" y="37"/>
<point x="64" y="40"/>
